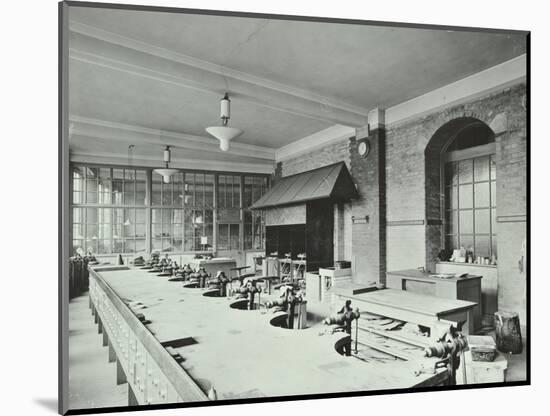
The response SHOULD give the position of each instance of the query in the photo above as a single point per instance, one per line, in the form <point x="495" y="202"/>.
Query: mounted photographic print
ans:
<point x="263" y="207"/>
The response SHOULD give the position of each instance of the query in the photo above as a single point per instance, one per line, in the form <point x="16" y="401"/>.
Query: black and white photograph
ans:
<point x="266" y="207"/>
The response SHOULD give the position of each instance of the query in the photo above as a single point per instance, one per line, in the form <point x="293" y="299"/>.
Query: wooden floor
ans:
<point x="92" y="380"/>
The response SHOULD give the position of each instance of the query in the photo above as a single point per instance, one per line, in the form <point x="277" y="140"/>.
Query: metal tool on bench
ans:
<point x="197" y="279"/>
<point x="138" y="261"/>
<point x="248" y="290"/>
<point x="343" y="318"/>
<point x="219" y="282"/>
<point x="168" y="268"/>
<point x="290" y="298"/>
<point x="449" y="347"/>
<point x="184" y="272"/>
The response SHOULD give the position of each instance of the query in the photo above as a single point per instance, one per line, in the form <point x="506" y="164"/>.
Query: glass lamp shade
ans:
<point x="224" y="134"/>
<point x="166" y="174"/>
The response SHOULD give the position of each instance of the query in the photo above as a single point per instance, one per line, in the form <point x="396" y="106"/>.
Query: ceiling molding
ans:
<point x="479" y="84"/>
<point x="131" y="134"/>
<point x="314" y="141"/>
<point x="114" y="159"/>
<point x="474" y="86"/>
<point x="217" y="79"/>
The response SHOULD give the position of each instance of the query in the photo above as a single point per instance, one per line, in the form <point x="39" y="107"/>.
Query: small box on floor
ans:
<point x="482" y="347"/>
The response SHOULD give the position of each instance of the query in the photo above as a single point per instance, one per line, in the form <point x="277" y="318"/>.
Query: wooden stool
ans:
<point x="508" y="332"/>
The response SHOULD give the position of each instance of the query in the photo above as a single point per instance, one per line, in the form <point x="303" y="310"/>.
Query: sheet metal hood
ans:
<point x="329" y="182"/>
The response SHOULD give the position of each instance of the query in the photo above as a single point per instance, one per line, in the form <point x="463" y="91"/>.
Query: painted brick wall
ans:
<point x="368" y="240"/>
<point x="327" y="155"/>
<point x="408" y="193"/>
<point x="412" y="235"/>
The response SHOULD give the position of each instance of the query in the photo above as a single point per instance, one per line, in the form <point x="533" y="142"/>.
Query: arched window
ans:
<point x="470" y="190"/>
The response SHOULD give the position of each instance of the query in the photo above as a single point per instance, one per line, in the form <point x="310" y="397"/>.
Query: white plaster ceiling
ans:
<point x="287" y="79"/>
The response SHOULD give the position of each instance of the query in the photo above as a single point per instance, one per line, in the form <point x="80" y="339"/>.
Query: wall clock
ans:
<point x="363" y="147"/>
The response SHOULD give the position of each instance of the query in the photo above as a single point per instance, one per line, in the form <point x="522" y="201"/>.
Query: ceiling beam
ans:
<point x="114" y="159"/>
<point x="163" y="65"/>
<point x="131" y="134"/>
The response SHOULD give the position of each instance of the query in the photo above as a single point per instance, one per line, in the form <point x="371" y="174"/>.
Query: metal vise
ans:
<point x="219" y="282"/>
<point x="184" y="272"/>
<point x="199" y="277"/>
<point x="449" y="346"/>
<point x="287" y="302"/>
<point x="248" y="289"/>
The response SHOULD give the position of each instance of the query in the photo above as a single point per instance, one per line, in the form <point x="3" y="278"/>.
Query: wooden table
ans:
<point x="235" y="351"/>
<point x="415" y="308"/>
<point x="462" y="288"/>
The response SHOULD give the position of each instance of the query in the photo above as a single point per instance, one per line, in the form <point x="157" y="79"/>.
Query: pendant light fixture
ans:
<point x="166" y="172"/>
<point x="224" y="133"/>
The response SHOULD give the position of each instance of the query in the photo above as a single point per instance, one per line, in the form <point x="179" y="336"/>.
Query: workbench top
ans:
<point x="414" y="302"/>
<point x="241" y="354"/>
<point x="420" y="275"/>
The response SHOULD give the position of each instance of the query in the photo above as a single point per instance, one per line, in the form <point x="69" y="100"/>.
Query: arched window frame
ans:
<point x="460" y="156"/>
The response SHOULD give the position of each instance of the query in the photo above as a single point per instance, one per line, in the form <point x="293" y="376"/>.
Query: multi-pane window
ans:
<point x="99" y="225"/>
<point x="198" y="195"/>
<point x="470" y="195"/>
<point x="167" y="227"/>
<point x="253" y="221"/>
<point x="229" y="212"/>
<point x="228" y="236"/>
<point x="111" y="213"/>
<point x="229" y="191"/>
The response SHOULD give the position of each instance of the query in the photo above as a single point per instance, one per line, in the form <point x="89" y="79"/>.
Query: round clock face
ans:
<point x="363" y="148"/>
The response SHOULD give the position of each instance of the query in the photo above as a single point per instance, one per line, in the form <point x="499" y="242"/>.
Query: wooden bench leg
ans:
<point x="105" y="339"/>
<point x="120" y="374"/>
<point x="132" y="400"/>
<point x="112" y="353"/>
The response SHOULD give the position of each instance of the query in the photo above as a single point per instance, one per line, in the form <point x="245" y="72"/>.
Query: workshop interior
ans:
<point x="260" y="206"/>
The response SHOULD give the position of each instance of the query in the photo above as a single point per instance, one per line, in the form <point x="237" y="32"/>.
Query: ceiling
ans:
<point x="162" y="74"/>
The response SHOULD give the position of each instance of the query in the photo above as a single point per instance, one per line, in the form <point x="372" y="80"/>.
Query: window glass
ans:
<point x="481" y="194"/>
<point x="114" y="227"/>
<point x="465" y="195"/>
<point x="482" y="246"/>
<point x="481" y="169"/>
<point x="465" y="170"/>
<point x="482" y="221"/>
<point x="111" y="211"/>
<point x="473" y="225"/>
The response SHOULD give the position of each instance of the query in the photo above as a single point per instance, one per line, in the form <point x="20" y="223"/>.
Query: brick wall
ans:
<point x="404" y="205"/>
<point x="413" y="194"/>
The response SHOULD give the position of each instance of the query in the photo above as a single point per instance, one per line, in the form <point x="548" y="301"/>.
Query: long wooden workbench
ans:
<point x="186" y="343"/>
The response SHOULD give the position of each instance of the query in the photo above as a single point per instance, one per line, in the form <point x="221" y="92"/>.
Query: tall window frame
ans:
<point x="105" y="219"/>
<point x="469" y="182"/>
<point x="144" y="214"/>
